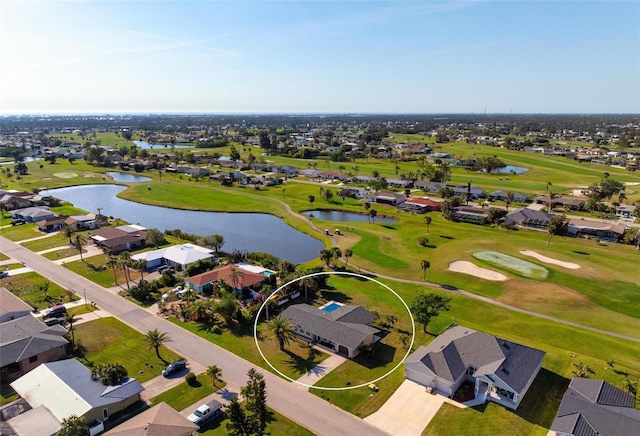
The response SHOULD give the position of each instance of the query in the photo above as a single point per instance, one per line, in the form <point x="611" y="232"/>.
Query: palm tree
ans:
<point x="373" y="213"/>
<point x="582" y="370"/>
<point x="156" y="339"/>
<point x="337" y="254"/>
<point x="68" y="232"/>
<point x="73" y="426"/>
<point x="326" y="256"/>
<point x="235" y="277"/>
<point x="78" y="241"/>
<point x="112" y="263"/>
<point x="282" y="330"/>
<point x="71" y="319"/>
<point x="308" y="282"/>
<point x="425" y="265"/>
<point x="124" y="260"/>
<point x="427" y="221"/>
<point x="347" y="254"/>
<point x="214" y="372"/>
<point x="508" y="199"/>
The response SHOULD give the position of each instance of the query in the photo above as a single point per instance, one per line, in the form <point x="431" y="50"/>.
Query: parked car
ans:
<point x="206" y="412"/>
<point x="174" y="367"/>
<point x="54" y="321"/>
<point x="4" y="274"/>
<point x="163" y="268"/>
<point x="18" y="222"/>
<point x="54" y="312"/>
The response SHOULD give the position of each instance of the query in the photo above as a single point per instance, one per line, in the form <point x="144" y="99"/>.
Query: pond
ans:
<point x="127" y="178"/>
<point x="509" y="169"/>
<point x="347" y="217"/>
<point x="26" y="159"/>
<point x="241" y="231"/>
<point x="167" y="147"/>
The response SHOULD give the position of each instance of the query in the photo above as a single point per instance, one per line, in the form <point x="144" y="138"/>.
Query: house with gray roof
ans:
<point x="501" y="371"/>
<point x="27" y="342"/>
<point x="529" y="218"/>
<point x="343" y="329"/>
<point x="596" y="408"/>
<point x="58" y="390"/>
<point x="11" y="306"/>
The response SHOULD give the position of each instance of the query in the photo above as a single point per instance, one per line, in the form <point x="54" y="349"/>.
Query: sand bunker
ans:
<point x="464" y="267"/>
<point x="65" y="175"/>
<point x="550" y="260"/>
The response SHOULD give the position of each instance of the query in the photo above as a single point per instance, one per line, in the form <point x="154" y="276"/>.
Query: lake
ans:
<point x="166" y="147"/>
<point x="340" y="216"/>
<point x="241" y="231"/>
<point x="127" y="178"/>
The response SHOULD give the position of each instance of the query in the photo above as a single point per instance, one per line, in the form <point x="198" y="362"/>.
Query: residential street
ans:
<point x="308" y="410"/>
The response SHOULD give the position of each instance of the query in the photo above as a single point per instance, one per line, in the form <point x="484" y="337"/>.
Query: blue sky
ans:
<point x="312" y="57"/>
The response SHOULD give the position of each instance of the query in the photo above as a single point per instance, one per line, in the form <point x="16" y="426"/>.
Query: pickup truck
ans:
<point x="206" y="412"/>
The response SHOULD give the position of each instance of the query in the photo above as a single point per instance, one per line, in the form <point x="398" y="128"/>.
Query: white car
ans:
<point x="206" y="412"/>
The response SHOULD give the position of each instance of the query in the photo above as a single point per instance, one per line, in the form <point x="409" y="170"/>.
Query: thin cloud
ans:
<point x="185" y="43"/>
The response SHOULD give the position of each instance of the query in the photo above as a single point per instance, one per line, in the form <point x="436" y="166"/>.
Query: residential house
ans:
<point x="58" y="390"/>
<point x="501" y="195"/>
<point x="178" y="256"/>
<point x="160" y="420"/>
<point x="501" y="371"/>
<point x="52" y="224"/>
<point x="198" y="172"/>
<point x="289" y="170"/>
<point x="343" y="329"/>
<point x="118" y="239"/>
<point x="33" y="214"/>
<point x="464" y="190"/>
<point x="385" y="197"/>
<point x="83" y="222"/>
<point x="430" y="187"/>
<point x="400" y="183"/>
<point x="419" y="205"/>
<point x="469" y="214"/>
<point x="596" y="408"/>
<point x="568" y="203"/>
<point x="625" y="210"/>
<point x="235" y="276"/>
<point x="11" y="306"/>
<point x="26" y="342"/>
<point x="607" y="231"/>
<point x="529" y="218"/>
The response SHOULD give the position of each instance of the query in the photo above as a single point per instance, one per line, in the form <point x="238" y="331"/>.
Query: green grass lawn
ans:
<point x="184" y="395"/>
<point x="20" y="233"/>
<point x="26" y="287"/>
<point x="95" y="269"/>
<point x="52" y="241"/>
<point x="294" y="362"/>
<point x="277" y="425"/>
<point x="7" y="394"/>
<point x="109" y="340"/>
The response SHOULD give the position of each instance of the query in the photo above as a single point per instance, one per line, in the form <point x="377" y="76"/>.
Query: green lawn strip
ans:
<point x="82" y="309"/>
<point x="184" y="395"/>
<point x="277" y="425"/>
<point x="21" y="232"/>
<point x="109" y="340"/>
<point x="52" y="241"/>
<point x="25" y="287"/>
<point x="369" y="248"/>
<point x="68" y="209"/>
<point x="62" y="254"/>
<point x="294" y="362"/>
<point x="95" y="269"/>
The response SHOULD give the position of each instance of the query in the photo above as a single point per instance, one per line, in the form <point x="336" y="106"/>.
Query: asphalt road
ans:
<point x="308" y="410"/>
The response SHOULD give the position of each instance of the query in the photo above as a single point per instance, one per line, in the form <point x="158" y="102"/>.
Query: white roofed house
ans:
<point x="59" y="390"/>
<point x="178" y="256"/>
<point x="501" y="371"/>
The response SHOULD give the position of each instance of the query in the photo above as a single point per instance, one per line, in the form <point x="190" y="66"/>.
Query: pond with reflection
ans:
<point x="241" y="231"/>
<point x="346" y="217"/>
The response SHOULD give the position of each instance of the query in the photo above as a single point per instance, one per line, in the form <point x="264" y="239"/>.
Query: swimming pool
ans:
<point x="330" y="307"/>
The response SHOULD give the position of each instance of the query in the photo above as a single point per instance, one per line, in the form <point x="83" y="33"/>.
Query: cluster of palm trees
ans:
<point x="331" y="256"/>
<point x="126" y="263"/>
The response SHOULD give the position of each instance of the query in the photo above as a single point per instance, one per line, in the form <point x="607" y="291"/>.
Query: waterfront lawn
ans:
<point x="26" y="287"/>
<point x="295" y="361"/>
<point x="109" y="340"/>
<point x="184" y="395"/>
<point x="277" y="424"/>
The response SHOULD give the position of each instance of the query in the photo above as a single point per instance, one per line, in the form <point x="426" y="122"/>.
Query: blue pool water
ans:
<point x="331" y="307"/>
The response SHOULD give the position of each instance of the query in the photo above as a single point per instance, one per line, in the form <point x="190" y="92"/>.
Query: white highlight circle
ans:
<point x="255" y="331"/>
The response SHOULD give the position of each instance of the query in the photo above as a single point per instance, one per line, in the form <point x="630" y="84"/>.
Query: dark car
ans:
<point x="54" y="321"/>
<point x="18" y="222"/>
<point x="174" y="367"/>
<point x="54" y="312"/>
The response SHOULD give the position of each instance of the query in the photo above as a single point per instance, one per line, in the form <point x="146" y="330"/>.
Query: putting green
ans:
<point x="519" y="266"/>
<point x="65" y="175"/>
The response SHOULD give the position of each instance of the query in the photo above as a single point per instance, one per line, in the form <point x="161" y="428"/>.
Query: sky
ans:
<point x="319" y="57"/>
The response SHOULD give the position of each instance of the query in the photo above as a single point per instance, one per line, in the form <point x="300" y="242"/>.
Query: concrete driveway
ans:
<point x="407" y="412"/>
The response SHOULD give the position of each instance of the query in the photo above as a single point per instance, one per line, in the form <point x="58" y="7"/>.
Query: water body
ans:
<point x="127" y="178"/>
<point x="509" y="169"/>
<point x="165" y="147"/>
<point x="348" y="217"/>
<point x="241" y="231"/>
<point x="26" y="159"/>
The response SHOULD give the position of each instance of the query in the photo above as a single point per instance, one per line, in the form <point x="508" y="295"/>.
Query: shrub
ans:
<point x="423" y="241"/>
<point x="190" y="379"/>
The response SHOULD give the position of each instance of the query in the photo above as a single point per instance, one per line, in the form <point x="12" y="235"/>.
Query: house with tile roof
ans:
<point x="343" y="329"/>
<point x="11" y="306"/>
<point x="58" y="390"/>
<point x="501" y="371"/>
<point x="596" y="408"/>
<point x="27" y="342"/>
<point x="160" y="420"/>
<point x="121" y="238"/>
<point x="236" y="276"/>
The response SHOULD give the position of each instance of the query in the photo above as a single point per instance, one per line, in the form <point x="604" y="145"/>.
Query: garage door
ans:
<point x="343" y="350"/>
